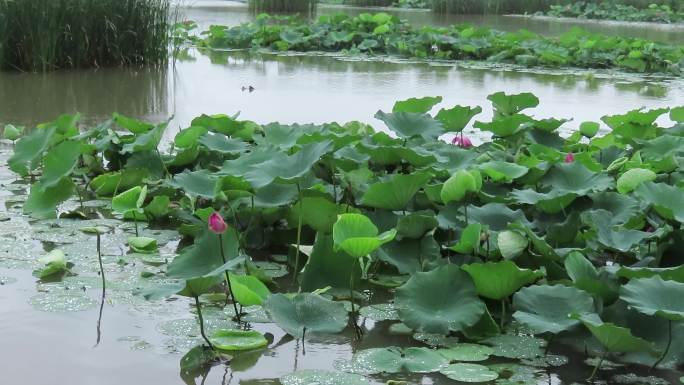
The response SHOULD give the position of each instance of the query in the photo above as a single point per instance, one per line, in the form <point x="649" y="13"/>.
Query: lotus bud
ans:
<point x="570" y="158"/>
<point x="216" y="223"/>
<point x="462" y="141"/>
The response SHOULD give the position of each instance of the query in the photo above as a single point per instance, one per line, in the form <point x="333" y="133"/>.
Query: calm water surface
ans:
<point x="39" y="348"/>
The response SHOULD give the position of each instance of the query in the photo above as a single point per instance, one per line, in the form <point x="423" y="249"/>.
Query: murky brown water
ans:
<point x="43" y="348"/>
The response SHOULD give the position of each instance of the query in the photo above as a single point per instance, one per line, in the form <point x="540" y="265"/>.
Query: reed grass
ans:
<point x="45" y="35"/>
<point x="370" y="3"/>
<point x="283" y="6"/>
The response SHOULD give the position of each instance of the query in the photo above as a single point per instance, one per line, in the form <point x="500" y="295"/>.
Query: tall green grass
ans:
<point x="370" y="3"/>
<point x="283" y="6"/>
<point x="44" y="35"/>
<point x="520" y="6"/>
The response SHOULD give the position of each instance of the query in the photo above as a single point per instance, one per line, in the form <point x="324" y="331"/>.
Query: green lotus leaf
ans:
<point x="612" y="236"/>
<point x="507" y="125"/>
<point x="459" y="184"/>
<point x="248" y="290"/>
<point x="635" y="124"/>
<point x="42" y="201"/>
<point x="497" y="216"/>
<point x="457" y="118"/>
<point x="358" y="236"/>
<point x="326" y="267"/>
<point x="188" y="137"/>
<point x="416" y="224"/>
<point x="397" y="360"/>
<point x="322" y="377"/>
<point x="407" y="124"/>
<point x="143" y="245"/>
<point x="466" y="352"/>
<point x="52" y="263"/>
<point x="306" y="313"/>
<point x="422" y="310"/>
<point x="616" y="339"/>
<point x="60" y="162"/>
<point x="469" y="243"/>
<point x="498" y="280"/>
<point x="135" y="126"/>
<point x="396" y="192"/>
<point x="512" y="104"/>
<point x="237" y="340"/>
<point x="576" y="178"/>
<point x="547" y="309"/>
<point x="586" y="277"/>
<point x="28" y="151"/>
<point x="148" y="141"/>
<point x="469" y="373"/>
<point x="631" y="179"/>
<point x="204" y="256"/>
<point x="222" y="144"/>
<point x="318" y="212"/>
<point x="379" y="312"/>
<point x="516" y="346"/>
<point x="486" y="327"/>
<point x="417" y="105"/>
<point x="410" y="255"/>
<point x="195" y="287"/>
<point x="655" y="296"/>
<point x="130" y="201"/>
<point x="552" y="202"/>
<point x="111" y="183"/>
<point x="666" y="273"/>
<point x="201" y="183"/>
<point x="158" y="207"/>
<point x="287" y="169"/>
<point x="503" y="171"/>
<point x="97" y="230"/>
<point x="667" y="200"/>
<point x="589" y="129"/>
<point x="11" y="132"/>
<point x="196" y="359"/>
<point x="511" y="243"/>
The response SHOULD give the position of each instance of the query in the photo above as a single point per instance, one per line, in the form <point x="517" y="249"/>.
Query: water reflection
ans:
<point x="30" y="98"/>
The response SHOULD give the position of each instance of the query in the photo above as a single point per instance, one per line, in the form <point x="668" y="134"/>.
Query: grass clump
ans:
<point x="524" y="6"/>
<point x="45" y="35"/>
<point x="285" y="6"/>
<point x="612" y="10"/>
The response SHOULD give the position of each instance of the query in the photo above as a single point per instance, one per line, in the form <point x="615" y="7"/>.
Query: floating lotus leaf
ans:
<point x="466" y="352"/>
<point x="236" y="340"/>
<point x="515" y="346"/>
<point x="380" y="312"/>
<point x="396" y="360"/>
<point x="306" y="312"/>
<point x="469" y="373"/>
<point x="498" y="280"/>
<point x="322" y="377"/>
<point x="396" y="193"/>
<point x="422" y="310"/>
<point x="547" y="309"/>
<point x="143" y="245"/>
<point x="655" y="296"/>
<point x="358" y="236"/>
<point x="53" y="263"/>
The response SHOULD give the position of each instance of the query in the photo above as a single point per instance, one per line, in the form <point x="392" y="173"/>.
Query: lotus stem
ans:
<point x="201" y="322"/>
<point x="598" y="365"/>
<point x="135" y="221"/>
<point x="357" y="329"/>
<point x="299" y="234"/>
<point x="503" y="314"/>
<point x="230" y="287"/>
<point x="548" y="344"/>
<point x="104" y="291"/>
<point x="465" y="209"/>
<point x="667" y="348"/>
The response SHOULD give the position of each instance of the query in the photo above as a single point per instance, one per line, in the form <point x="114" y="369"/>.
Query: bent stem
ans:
<point x="299" y="234"/>
<point x="598" y="365"/>
<point x="230" y="287"/>
<point x="104" y="290"/>
<point x="357" y="328"/>
<point x="503" y="314"/>
<point x="201" y="322"/>
<point x="667" y="348"/>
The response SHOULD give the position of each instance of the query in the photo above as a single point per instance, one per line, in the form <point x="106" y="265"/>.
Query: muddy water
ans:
<point x="140" y="342"/>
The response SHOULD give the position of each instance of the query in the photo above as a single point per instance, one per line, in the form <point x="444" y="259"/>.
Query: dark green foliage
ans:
<point x="617" y="10"/>
<point x="45" y="35"/>
<point x="284" y="6"/>
<point x="519" y="6"/>
<point x="384" y="34"/>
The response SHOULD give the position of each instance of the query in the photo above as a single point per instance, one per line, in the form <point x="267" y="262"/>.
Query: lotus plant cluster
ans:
<point x="569" y="231"/>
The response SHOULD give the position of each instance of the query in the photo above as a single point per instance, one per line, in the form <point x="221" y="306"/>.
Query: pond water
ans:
<point x="141" y="342"/>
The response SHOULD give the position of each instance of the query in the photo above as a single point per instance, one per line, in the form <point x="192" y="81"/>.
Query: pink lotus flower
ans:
<point x="570" y="158"/>
<point x="462" y="141"/>
<point x="216" y="224"/>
